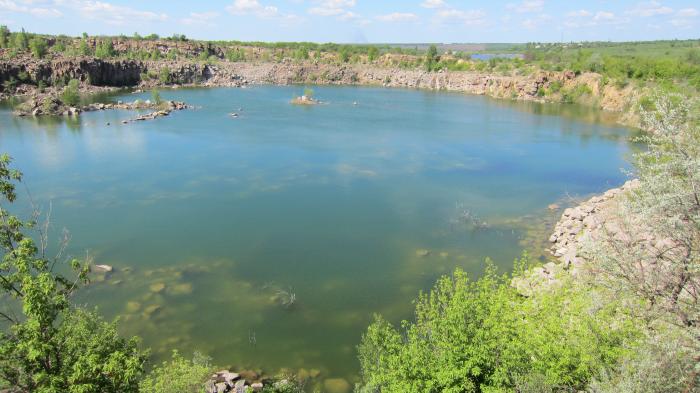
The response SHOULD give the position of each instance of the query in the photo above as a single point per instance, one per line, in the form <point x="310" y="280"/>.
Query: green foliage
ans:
<point x="38" y="47"/>
<point x="372" y="53"/>
<point x="52" y="346"/>
<point x="105" y="49"/>
<point x="235" y="55"/>
<point x="164" y="75"/>
<point x="4" y="36"/>
<point x="431" y="58"/>
<point x="71" y="95"/>
<point x="178" y="375"/>
<point x="21" y="40"/>
<point x="155" y="97"/>
<point x="309" y="93"/>
<point x="84" y="49"/>
<point x="475" y="336"/>
<point x="344" y="54"/>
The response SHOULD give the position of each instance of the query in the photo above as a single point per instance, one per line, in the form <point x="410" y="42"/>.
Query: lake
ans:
<point x="269" y="240"/>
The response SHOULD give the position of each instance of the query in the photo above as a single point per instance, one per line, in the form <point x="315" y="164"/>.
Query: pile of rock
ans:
<point x="589" y="220"/>
<point x="585" y="220"/>
<point x="226" y="381"/>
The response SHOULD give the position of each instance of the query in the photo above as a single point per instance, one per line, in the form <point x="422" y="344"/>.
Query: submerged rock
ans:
<point x="157" y="287"/>
<point x="104" y="268"/>
<point x="336" y="385"/>
<point x="133" y="307"/>
<point x="422" y="252"/>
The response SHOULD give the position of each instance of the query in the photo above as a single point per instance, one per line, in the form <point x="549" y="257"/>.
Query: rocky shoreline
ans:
<point x="587" y="221"/>
<point x="104" y="74"/>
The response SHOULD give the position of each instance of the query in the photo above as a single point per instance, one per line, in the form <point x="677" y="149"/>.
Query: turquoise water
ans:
<point x="268" y="240"/>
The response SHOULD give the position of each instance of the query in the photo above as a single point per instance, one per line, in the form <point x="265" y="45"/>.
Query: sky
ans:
<point x="364" y="21"/>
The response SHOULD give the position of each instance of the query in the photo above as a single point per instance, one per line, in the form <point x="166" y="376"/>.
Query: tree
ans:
<point x="155" y="96"/>
<point x="53" y="346"/>
<point x="38" y="47"/>
<point x="431" y="58"/>
<point x="4" y="36"/>
<point x="344" y="54"/>
<point x="105" y="49"/>
<point x="652" y="254"/>
<point x="84" y="49"/>
<point x="71" y="95"/>
<point x="21" y="40"/>
<point x="372" y="53"/>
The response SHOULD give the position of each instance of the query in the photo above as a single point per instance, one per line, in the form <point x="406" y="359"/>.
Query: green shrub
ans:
<point x="477" y="336"/>
<point x="38" y="47"/>
<point x="4" y="36"/>
<point x="71" y="94"/>
<point x="155" y="97"/>
<point x="178" y="375"/>
<point x="105" y="49"/>
<point x="164" y="75"/>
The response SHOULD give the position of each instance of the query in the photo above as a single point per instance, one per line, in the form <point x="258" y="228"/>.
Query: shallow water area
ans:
<point x="268" y="240"/>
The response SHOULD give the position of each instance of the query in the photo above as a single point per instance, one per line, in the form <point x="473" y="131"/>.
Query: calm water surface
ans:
<point x="213" y="223"/>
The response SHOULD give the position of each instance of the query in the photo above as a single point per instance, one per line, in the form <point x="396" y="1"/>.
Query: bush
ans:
<point x="178" y="375"/>
<point x="71" y="95"/>
<point x="155" y="97"/>
<point x="105" y="49"/>
<point x="38" y="47"/>
<point x="164" y="75"/>
<point x="665" y="208"/>
<point x="474" y="336"/>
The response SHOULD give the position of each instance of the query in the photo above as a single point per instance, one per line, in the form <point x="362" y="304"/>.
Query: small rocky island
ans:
<point x="306" y="99"/>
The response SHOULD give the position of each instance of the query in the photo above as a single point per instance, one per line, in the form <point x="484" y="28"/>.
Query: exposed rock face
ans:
<point x="95" y="71"/>
<point x="122" y="73"/>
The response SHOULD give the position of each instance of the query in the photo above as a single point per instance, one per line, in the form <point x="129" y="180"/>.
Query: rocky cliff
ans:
<point x="27" y="73"/>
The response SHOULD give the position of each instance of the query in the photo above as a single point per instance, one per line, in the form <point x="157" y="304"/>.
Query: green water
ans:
<point x="334" y="203"/>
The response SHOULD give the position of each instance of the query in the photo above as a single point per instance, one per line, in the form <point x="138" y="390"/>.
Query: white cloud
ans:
<point x="200" y="18"/>
<point x="433" y="4"/>
<point x="398" y="17"/>
<point x="688" y="13"/>
<point x="253" y="7"/>
<point x="39" y="12"/>
<point x="650" y="8"/>
<point x="579" y="14"/>
<point x="110" y="13"/>
<point x="469" y="17"/>
<point x="584" y="18"/>
<point x="337" y="8"/>
<point x="527" y="6"/>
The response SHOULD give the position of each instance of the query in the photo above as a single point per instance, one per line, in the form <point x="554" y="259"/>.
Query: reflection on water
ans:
<point x="270" y="239"/>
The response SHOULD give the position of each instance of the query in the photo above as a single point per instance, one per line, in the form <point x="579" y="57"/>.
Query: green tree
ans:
<point x="372" y="53"/>
<point x="38" y="47"/>
<point x="155" y="97"/>
<point x="4" y="36"/>
<point x="164" y="75"/>
<point x="71" y="94"/>
<point x="105" y="49"/>
<point x="344" y="54"/>
<point x="84" y="49"/>
<point x="21" y="40"/>
<point x="53" y="346"/>
<point x="431" y="58"/>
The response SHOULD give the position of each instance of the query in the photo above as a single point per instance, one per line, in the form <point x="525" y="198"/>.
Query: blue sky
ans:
<point x="365" y="20"/>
